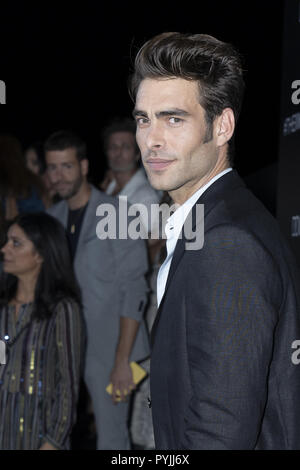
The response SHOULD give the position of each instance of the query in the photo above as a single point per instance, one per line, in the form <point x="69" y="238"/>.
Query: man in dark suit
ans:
<point x="223" y="368"/>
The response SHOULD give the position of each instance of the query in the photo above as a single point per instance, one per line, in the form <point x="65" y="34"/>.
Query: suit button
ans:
<point x="149" y="402"/>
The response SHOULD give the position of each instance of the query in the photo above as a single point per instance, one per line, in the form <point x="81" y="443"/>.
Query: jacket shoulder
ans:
<point x="99" y="197"/>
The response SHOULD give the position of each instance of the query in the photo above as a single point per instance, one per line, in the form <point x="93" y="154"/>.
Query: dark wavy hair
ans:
<point x="118" y="125"/>
<point x="215" y="65"/>
<point x="56" y="280"/>
<point x="64" y="139"/>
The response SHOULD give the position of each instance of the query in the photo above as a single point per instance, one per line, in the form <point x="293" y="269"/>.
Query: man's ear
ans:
<point x="84" y="165"/>
<point x="224" y="128"/>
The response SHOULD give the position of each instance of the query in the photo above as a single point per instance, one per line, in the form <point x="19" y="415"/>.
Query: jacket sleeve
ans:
<point x="132" y="269"/>
<point x="69" y="341"/>
<point x="232" y="304"/>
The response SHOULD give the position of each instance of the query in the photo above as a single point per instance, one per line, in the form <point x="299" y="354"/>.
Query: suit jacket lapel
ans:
<point x="88" y="227"/>
<point x="209" y="198"/>
<point x="63" y="213"/>
<point x="177" y="255"/>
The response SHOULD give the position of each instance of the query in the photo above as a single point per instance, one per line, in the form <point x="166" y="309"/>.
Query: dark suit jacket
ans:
<point x="222" y="374"/>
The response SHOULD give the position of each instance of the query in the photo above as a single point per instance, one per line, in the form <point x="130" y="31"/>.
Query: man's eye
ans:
<point x="142" y="121"/>
<point x="51" y="169"/>
<point x="174" y="120"/>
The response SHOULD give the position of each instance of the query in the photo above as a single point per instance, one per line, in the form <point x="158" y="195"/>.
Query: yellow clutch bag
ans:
<point x="138" y="373"/>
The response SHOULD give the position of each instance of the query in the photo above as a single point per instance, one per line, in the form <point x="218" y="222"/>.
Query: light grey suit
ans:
<point x="111" y="274"/>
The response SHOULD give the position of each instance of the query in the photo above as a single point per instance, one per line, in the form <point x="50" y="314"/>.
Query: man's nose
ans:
<point x="118" y="151"/>
<point x="54" y="176"/>
<point x="155" y="137"/>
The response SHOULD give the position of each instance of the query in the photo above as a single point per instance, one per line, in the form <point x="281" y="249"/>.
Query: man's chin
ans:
<point x="159" y="183"/>
<point x="65" y="195"/>
<point x="69" y="196"/>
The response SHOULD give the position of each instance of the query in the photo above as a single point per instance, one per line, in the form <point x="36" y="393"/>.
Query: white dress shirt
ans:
<point x="173" y="228"/>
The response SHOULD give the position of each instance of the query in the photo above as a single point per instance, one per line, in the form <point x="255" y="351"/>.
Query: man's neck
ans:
<point x="181" y="195"/>
<point x="81" y="198"/>
<point x="122" y="178"/>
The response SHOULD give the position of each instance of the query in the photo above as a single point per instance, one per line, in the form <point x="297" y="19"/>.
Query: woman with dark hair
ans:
<point x="42" y="326"/>
<point x="34" y="158"/>
<point x="35" y="162"/>
<point x="21" y="191"/>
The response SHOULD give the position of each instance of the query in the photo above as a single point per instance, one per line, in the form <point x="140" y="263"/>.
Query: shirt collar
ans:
<point x="175" y="222"/>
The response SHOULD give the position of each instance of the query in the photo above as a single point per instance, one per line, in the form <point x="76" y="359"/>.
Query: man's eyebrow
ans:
<point x="137" y="112"/>
<point x="172" y="112"/>
<point x="167" y="112"/>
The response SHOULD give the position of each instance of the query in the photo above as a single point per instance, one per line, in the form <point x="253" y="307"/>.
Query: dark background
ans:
<point x="288" y="185"/>
<point x="66" y="66"/>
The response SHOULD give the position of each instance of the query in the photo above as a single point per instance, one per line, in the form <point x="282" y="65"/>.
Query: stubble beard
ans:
<point x="74" y="188"/>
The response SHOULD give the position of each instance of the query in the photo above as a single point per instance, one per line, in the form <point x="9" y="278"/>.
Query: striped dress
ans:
<point x="39" y="382"/>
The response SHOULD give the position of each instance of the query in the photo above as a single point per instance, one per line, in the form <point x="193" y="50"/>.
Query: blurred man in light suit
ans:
<point x="111" y="274"/>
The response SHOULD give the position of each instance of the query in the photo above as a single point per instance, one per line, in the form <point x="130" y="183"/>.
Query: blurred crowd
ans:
<point x="75" y="310"/>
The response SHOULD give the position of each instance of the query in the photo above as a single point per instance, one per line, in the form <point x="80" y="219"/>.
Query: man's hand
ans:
<point x="122" y="381"/>
<point x="121" y="375"/>
<point x="47" y="446"/>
